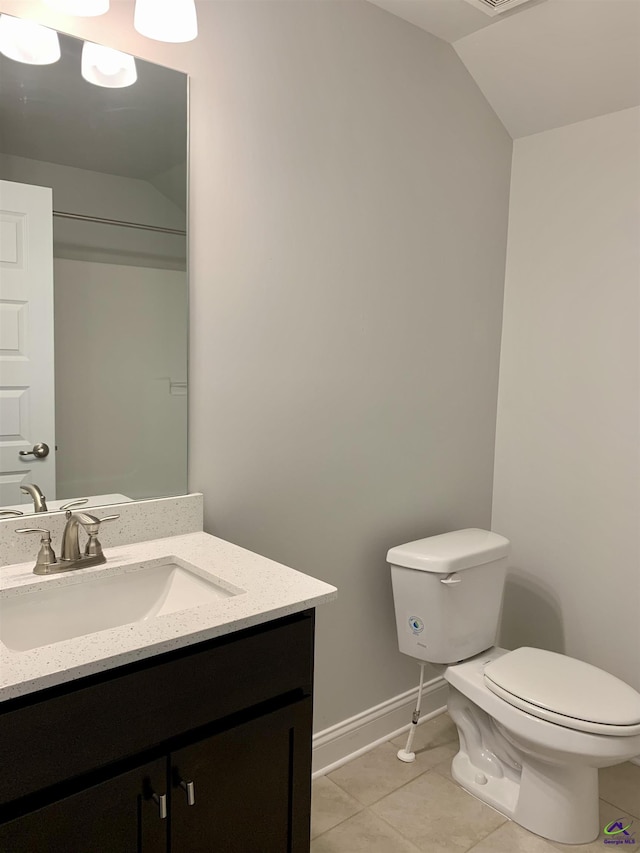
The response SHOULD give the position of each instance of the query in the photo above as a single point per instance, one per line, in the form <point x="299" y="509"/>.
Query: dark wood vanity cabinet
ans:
<point x="110" y="817"/>
<point x="245" y="796"/>
<point x="202" y="750"/>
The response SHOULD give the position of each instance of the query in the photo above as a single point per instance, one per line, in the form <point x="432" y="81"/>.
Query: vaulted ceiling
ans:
<point x="543" y="64"/>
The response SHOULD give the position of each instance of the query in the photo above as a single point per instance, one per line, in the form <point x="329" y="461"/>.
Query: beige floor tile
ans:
<point x="439" y="731"/>
<point x="511" y="838"/>
<point x="444" y="769"/>
<point x="330" y="805"/>
<point x="427" y="759"/>
<point x="620" y="786"/>
<point x="608" y="813"/>
<point x="379" y="772"/>
<point x="364" y="833"/>
<point x="437" y="816"/>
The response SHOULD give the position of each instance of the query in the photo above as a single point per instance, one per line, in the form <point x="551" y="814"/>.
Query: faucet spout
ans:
<point x="39" y="500"/>
<point x="70" y="547"/>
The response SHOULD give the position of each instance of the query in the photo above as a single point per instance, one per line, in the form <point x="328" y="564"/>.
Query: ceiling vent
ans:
<point x="496" y="7"/>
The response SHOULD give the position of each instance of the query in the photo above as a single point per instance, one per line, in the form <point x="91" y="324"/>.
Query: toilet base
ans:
<point x="558" y="801"/>
<point x="561" y="806"/>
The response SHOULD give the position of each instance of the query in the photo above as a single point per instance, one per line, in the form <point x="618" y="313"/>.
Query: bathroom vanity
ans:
<point x="187" y="730"/>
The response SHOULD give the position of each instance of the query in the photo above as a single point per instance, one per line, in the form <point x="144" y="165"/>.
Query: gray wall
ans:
<point x="120" y="359"/>
<point x="349" y="193"/>
<point x="346" y="332"/>
<point x="567" y="467"/>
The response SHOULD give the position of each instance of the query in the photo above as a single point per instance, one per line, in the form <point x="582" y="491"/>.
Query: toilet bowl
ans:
<point x="539" y="773"/>
<point x="534" y="726"/>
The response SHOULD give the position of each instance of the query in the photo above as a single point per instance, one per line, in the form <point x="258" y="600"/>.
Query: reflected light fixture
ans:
<point x="166" y="20"/>
<point x="104" y="66"/>
<point x="27" y="41"/>
<point x="81" y="8"/>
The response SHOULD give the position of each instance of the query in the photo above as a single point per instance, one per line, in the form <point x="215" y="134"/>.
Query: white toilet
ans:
<point x="534" y="726"/>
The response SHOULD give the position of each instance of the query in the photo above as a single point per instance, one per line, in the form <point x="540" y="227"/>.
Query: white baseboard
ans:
<point x="353" y="737"/>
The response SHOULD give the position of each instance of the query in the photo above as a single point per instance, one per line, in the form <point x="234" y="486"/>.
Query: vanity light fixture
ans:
<point x="168" y="20"/>
<point x="104" y="66"/>
<point x="27" y="41"/>
<point x="81" y="8"/>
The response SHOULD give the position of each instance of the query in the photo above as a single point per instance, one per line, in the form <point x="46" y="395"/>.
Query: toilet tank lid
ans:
<point x="450" y="552"/>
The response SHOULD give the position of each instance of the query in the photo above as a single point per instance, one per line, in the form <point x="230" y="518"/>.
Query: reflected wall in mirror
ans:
<point x="93" y="283"/>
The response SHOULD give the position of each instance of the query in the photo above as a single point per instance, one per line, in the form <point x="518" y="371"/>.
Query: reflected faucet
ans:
<point x="39" y="500"/>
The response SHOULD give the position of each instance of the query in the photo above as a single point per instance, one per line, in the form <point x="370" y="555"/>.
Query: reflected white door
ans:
<point x="27" y="415"/>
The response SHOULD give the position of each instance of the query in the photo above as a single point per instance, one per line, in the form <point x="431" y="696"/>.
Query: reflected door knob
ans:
<point x="39" y="451"/>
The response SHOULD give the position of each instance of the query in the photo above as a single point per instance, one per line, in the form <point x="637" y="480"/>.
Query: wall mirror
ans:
<point x="93" y="282"/>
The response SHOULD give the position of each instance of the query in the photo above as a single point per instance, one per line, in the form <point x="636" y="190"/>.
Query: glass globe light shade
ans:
<point x="104" y="66"/>
<point x="27" y="41"/>
<point x="166" y="20"/>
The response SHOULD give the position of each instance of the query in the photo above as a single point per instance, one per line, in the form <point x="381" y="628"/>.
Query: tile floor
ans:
<point x="377" y="804"/>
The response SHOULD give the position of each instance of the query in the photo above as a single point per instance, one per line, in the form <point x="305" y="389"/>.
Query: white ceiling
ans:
<point x="543" y="64"/>
<point x="448" y="19"/>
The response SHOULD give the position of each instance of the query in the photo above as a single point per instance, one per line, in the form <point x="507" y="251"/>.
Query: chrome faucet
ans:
<point x="70" y="547"/>
<point x="70" y="555"/>
<point x="39" y="500"/>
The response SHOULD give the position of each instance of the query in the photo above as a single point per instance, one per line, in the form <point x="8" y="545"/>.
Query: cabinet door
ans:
<point x="250" y="787"/>
<point x="116" y="816"/>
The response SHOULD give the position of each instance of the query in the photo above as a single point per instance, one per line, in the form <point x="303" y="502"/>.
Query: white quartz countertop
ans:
<point x="90" y="503"/>
<point x="270" y="591"/>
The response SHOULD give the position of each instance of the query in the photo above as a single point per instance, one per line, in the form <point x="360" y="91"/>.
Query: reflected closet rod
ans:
<point x="101" y="221"/>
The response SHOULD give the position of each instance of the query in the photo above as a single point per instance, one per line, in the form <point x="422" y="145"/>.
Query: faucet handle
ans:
<point x="77" y="502"/>
<point x="46" y="555"/>
<point x="93" y="547"/>
<point x="5" y="513"/>
<point x="90" y="522"/>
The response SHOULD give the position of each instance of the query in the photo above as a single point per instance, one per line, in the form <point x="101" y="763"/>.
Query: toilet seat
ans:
<point x="565" y="691"/>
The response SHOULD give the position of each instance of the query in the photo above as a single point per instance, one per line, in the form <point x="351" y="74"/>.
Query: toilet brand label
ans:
<point x="619" y="832"/>
<point x="416" y="624"/>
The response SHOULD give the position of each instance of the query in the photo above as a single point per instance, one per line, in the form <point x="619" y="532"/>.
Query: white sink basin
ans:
<point x="85" y="604"/>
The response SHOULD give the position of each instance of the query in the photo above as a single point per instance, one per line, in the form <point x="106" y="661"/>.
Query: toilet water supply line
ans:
<point x="406" y="754"/>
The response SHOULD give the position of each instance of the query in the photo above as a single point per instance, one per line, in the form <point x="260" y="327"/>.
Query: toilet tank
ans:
<point x="447" y="593"/>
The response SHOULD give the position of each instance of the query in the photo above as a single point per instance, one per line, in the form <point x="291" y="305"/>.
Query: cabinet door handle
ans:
<point x="190" y="790"/>
<point x="161" y="801"/>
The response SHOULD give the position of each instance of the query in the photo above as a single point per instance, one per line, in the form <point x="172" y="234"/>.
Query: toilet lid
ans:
<point x="565" y="690"/>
